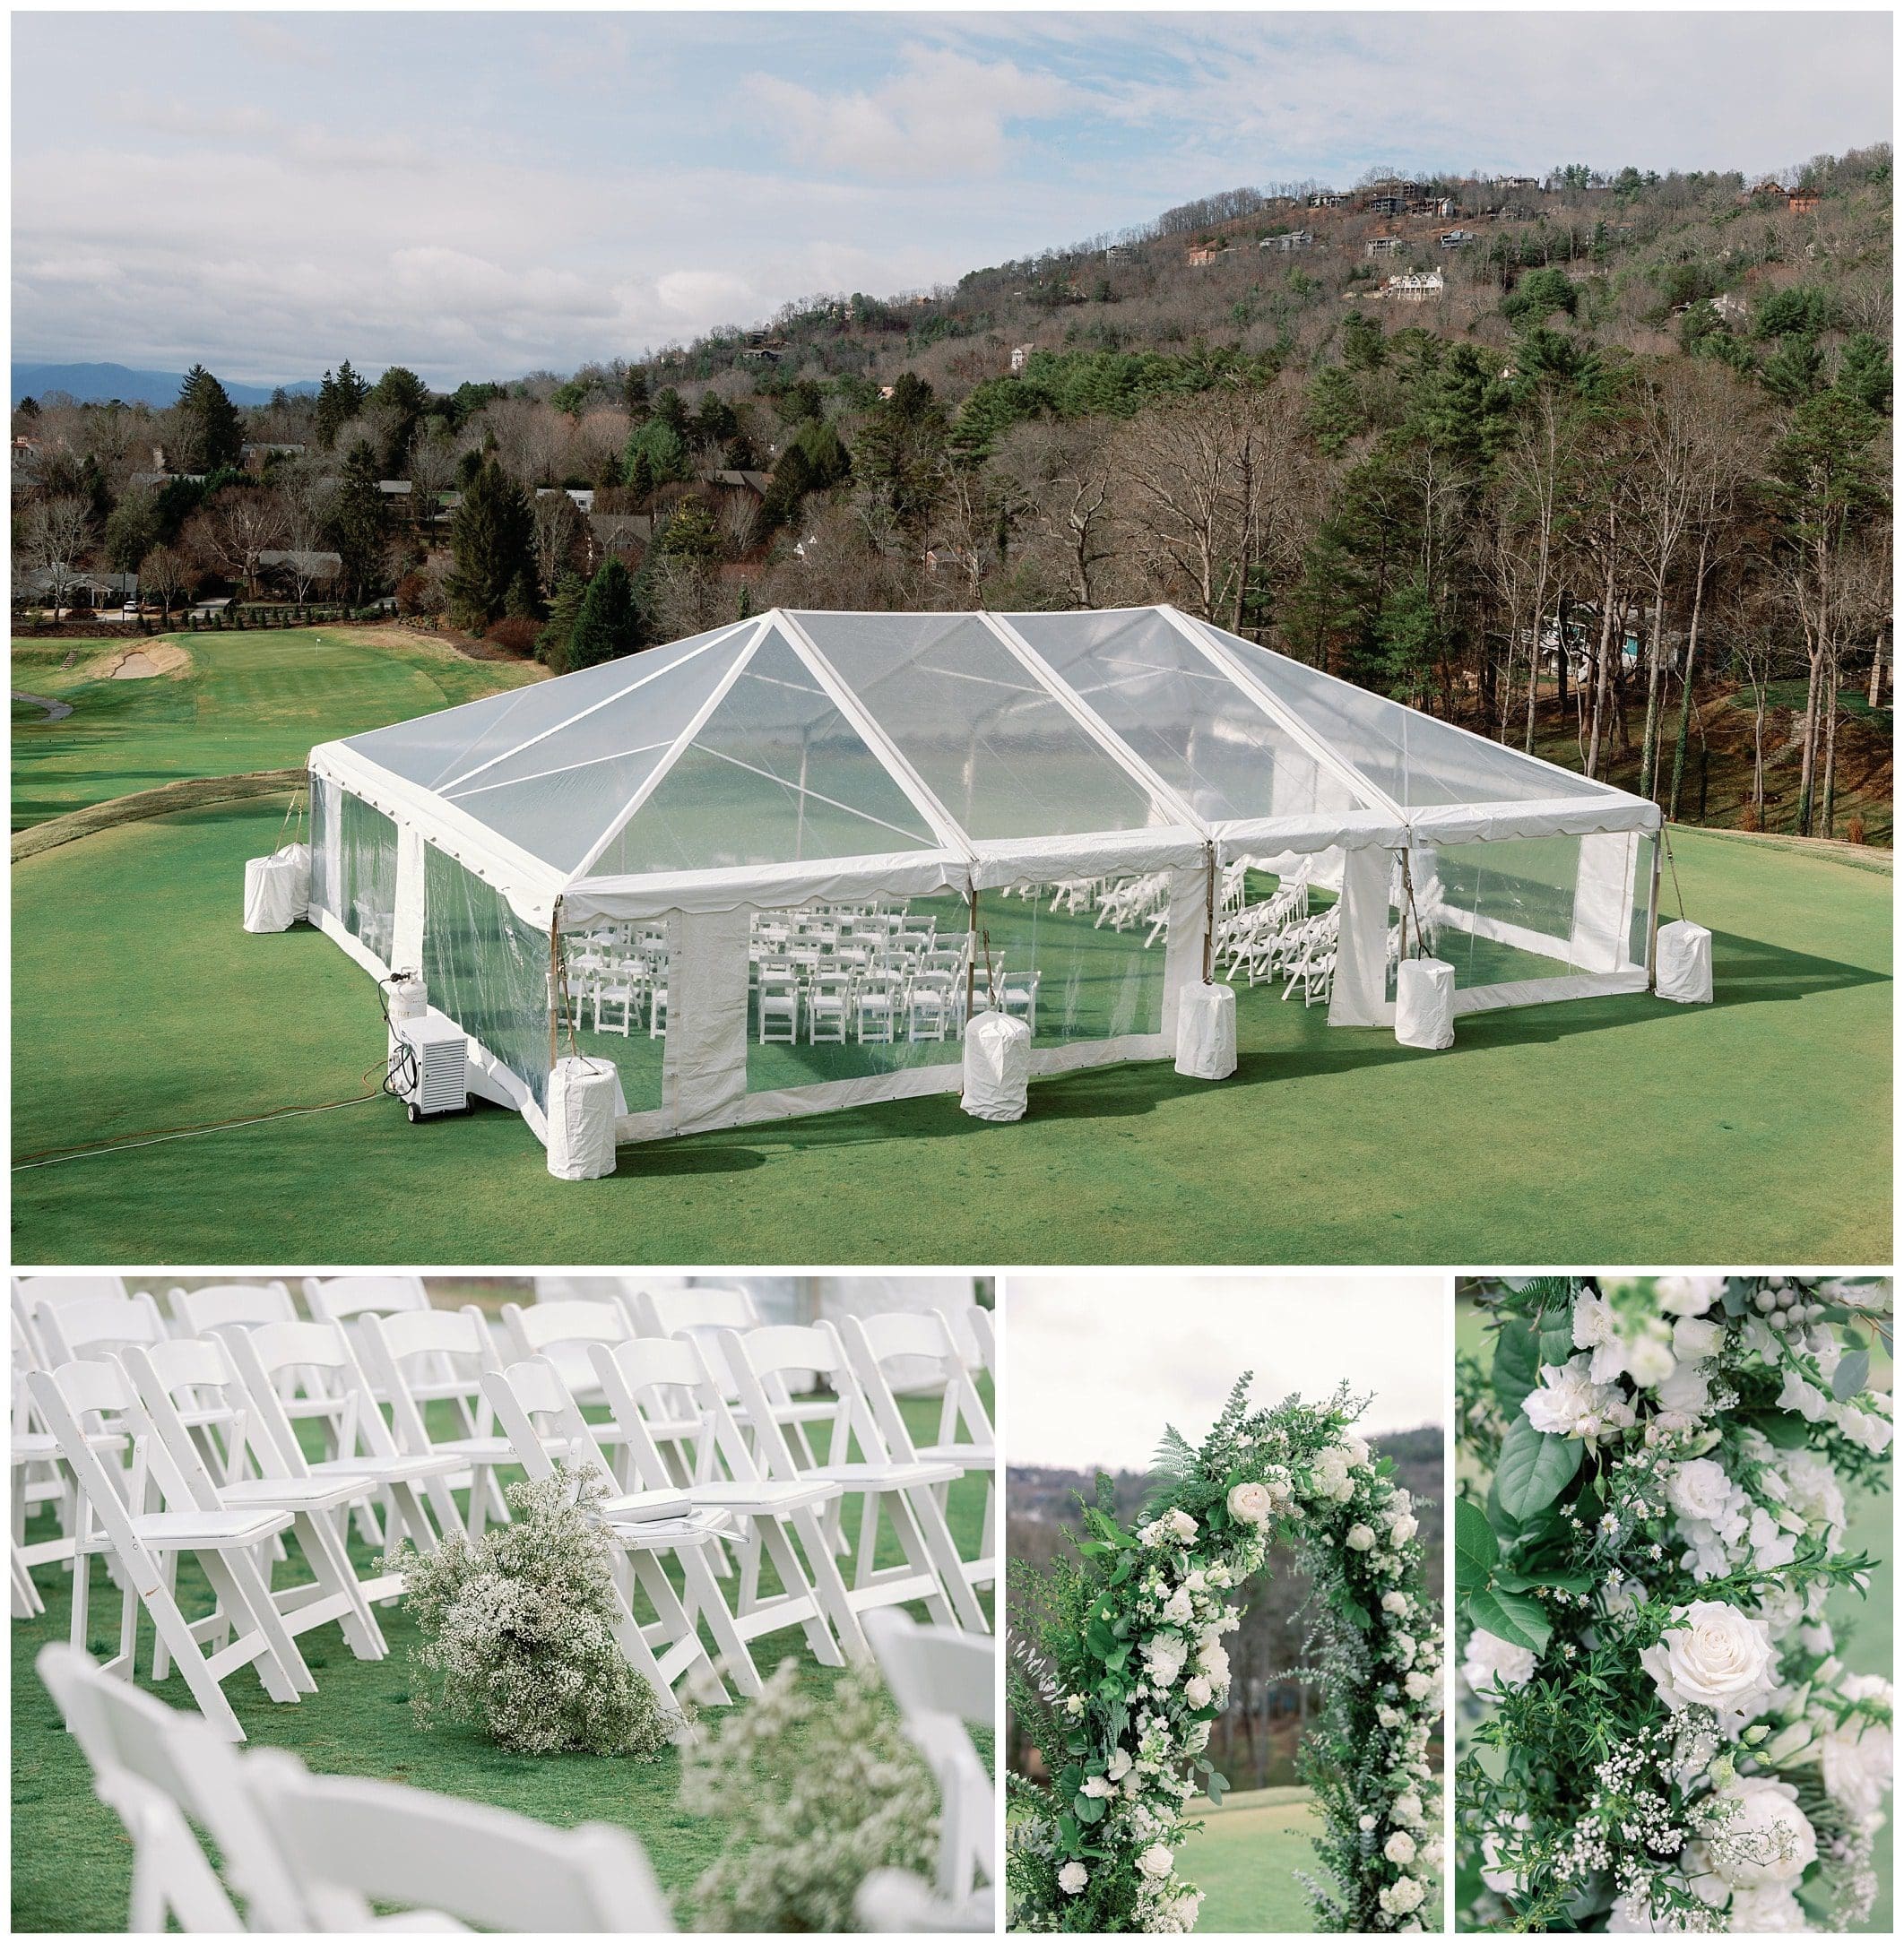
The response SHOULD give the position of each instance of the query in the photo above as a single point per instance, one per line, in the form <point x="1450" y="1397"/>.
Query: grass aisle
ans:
<point x="1245" y="1859"/>
<point x="1757" y="1129"/>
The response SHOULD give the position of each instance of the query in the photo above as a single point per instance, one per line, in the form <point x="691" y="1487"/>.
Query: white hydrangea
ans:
<point x="1568" y="1403"/>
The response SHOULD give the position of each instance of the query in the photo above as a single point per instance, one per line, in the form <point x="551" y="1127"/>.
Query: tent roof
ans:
<point x="930" y="747"/>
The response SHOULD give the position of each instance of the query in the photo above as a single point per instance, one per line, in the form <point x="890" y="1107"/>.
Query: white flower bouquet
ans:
<point x="1666" y="1735"/>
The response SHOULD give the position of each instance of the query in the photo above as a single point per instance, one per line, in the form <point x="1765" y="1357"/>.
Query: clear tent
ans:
<point x="627" y="861"/>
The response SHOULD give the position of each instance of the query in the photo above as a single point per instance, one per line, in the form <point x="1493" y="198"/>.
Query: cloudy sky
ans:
<point x="1098" y="1364"/>
<point x="481" y="195"/>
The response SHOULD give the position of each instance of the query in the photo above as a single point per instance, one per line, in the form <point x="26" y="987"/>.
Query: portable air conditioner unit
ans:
<point x="435" y="1079"/>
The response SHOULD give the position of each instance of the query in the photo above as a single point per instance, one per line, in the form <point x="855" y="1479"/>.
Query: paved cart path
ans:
<point x="54" y="710"/>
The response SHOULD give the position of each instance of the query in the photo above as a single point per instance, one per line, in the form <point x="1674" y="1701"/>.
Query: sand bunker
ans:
<point x="138" y="664"/>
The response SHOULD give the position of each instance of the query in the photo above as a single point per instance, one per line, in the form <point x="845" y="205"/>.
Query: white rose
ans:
<point x="1394" y="1602"/>
<point x="1073" y="1879"/>
<point x="1490" y="1661"/>
<point x="1354" y="1449"/>
<point x="1858" y="1752"/>
<point x="1403" y="1527"/>
<point x="1701" y="1489"/>
<point x="1329" y="1473"/>
<point x="1687" y="1392"/>
<point x="1694" y="1337"/>
<point x="1687" y="1295"/>
<point x="1649" y="1360"/>
<point x="1097" y="1785"/>
<point x="1766" y="1839"/>
<point x="1714" y="1656"/>
<point x="1180" y="1609"/>
<point x="1765" y="1907"/>
<point x="1399" y="1897"/>
<point x="1155" y="1862"/>
<point x="1250" y="1503"/>
<point x="1214" y="1662"/>
<point x="1197" y="1691"/>
<point x="1420" y="1686"/>
<point x="1119" y="1766"/>
<point x="1180" y="1524"/>
<point x="1366" y="1825"/>
<point x="1360" y="1538"/>
<point x="1406" y="1809"/>
<point x="1399" y="1848"/>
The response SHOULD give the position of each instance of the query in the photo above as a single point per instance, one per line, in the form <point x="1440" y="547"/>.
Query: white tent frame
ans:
<point x="707" y="911"/>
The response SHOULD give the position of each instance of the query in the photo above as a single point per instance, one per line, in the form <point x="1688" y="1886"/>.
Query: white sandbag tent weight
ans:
<point x="696" y="811"/>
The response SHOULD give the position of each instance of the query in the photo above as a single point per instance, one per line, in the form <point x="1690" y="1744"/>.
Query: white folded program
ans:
<point x="1425" y="991"/>
<point x="1206" y="1032"/>
<point x="1683" y="963"/>
<point x="997" y="1071"/>
<point x="278" y="888"/>
<point x="582" y="1101"/>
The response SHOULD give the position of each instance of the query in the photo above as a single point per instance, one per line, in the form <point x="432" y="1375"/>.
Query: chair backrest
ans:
<point x="984" y="1326"/>
<point x="700" y="1313"/>
<point x="353" y="1842"/>
<point x="155" y="1766"/>
<point x="540" y="1419"/>
<point x="92" y="1324"/>
<point x="321" y="1354"/>
<point x="183" y="1372"/>
<point x="55" y="1290"/>
<point x="341" y="1298"/>
<point x="761" y="1359"/>
<point x="533" y="1327"/>
<point x="944" y="1682"/>
<point x="231" y="1306"/>
<point x="913" y="1338"/>
<point x="668" y="1379"/>
<point x="418" y="1342"/>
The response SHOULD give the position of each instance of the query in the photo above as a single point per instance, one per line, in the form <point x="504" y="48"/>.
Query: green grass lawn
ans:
<point x="1245" y="1858"/>
<point x="1622" y="1129"/>
<point x="70" y="1859"/>
<point x="254" y="700"/>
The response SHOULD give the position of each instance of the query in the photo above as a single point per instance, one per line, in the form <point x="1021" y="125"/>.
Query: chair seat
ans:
<point x="696" y="1527"/>
<point x="195" y="1528"/>
<point x="771" y="1496"/>
<point x="631" y="1507"/>
<point x="396" y="1471"/>
<point x="806" y="1412"/>
<point x="34" y="1447"/>
<point x="477" y="1450"/>
<point x="895" y="1475"/>
<point x="969" y="1457"/>
<point x="293" y="1494"/>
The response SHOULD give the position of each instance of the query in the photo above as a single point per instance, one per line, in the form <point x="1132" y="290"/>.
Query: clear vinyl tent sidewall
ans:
<point x="702" y="773"/>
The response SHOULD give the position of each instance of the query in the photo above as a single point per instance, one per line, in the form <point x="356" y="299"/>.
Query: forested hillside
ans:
<point x="1600" y="466"/>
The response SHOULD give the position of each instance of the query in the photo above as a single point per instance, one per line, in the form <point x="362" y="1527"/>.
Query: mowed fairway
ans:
<point x="1754" y="1130"/>
<point x="1245" y="1859"/>
<point x="255" y="700"/>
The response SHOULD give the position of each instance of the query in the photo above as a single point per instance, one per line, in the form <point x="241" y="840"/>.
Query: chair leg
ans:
<point x="332" y="1565"/>
<point x="827" y="1582"/>
<point x="185" y="1650"/>
<point x="731" y="1647"/>
<point x="243" y="1594"/>
<point x="794" y="1582"/>
<point x="919" y="1557"/>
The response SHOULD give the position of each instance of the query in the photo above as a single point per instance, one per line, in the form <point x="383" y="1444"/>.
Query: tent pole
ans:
<point x="1209" y="913"/>
<point x="971" y="953"/>
<point x="555" y="976"/>
<point x="1652" y="915"/>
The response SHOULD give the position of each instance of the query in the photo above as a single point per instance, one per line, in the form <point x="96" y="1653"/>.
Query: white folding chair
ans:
<point x="650" y="1375"/>
<point x="161" y="1770"/>
<point x="176" y="1377"/>
<point x="33" y="1293"/>
<point x="919" y="1347"/>
<point x="778" y="1003"/>
<point x="944" y="1683"/>
<point x="420" y="1341"/>
<point x="546" y="1427"/>
<point x="362" y="1446"/>
<point x="97" y="1325"/>
<point x="137" y="1541"/>
<point x="356" y="1846"/>
<point x="888" y="1488"/>
<point x="984" y="1326"/>
<point x="230" y="1306"/>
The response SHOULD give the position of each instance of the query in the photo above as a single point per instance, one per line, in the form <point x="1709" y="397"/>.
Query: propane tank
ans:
<point x="408" y="995"/>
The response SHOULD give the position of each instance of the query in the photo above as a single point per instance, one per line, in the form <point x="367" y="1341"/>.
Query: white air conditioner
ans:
<point x="434" y="1079"/>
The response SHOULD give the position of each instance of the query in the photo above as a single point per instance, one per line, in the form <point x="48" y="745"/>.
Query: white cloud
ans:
<point x="1096" y="1365"/>
<point x="943" y="114"/>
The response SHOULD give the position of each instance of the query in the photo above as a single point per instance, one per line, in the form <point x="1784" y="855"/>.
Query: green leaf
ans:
<point x="1517" y="1362"/>
<point x="1513" y="1617"/>
<point x="1069" y="1834"/>
<point x="1534" y="1469"/>
<point x="1475" y="1548"/>
<point x="1088" y="1808"/>
<point x="1216" y="1785"/>
<point x="1850" y="1375"/>
<point x="1556" y="1343"/>
<point x="1785" y="1429"/>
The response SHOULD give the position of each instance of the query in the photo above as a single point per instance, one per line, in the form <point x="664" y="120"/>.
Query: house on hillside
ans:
<point x="1117" y="253"/>
<point x="1019" y="353"/>
<point x="1412" y="286"/>
<point x="1731" y="308"/>
<point x="1801" y="201"/>
<point x="1200" y="253"/>
<point x="620" y="533"/>
<point x="762" y="348"/>
<point x="1383" y="247"/>
<point x="584" y="497"/>
<point x="77" y="587"/>
<point x="290" y="565"/>
<point x="256" y="458"/>
<point x="1289" y="240"/>
<point x="1458" y="239"/>
<point x="1327" y="199"/>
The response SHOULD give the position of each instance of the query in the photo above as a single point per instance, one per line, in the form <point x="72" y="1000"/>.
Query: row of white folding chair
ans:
<point x="205" y="1461"/>
<point x="304" y="1853"/>
<point x="1133" y="901"/>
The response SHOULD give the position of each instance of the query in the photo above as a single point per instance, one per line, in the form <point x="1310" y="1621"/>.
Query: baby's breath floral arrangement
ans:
<point x="1118" y="1669"/>
<point x="1664" y="1736"/>
<point x="820" y="1788"/>
<point x="520" y="1630"/>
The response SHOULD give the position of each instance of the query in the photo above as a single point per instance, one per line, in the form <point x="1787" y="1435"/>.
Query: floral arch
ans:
<point x="1117" y="1670"/>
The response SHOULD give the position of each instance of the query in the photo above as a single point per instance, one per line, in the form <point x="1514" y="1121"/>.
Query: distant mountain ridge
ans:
<point x="96" y="384"/>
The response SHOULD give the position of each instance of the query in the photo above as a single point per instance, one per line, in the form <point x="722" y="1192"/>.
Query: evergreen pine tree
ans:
<point x="492" y="537"/>
<point x="551" y="645"/>
<point x="356" y="522"/>
<point x="209" y="430"/>
<point x="606" y="624"/>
